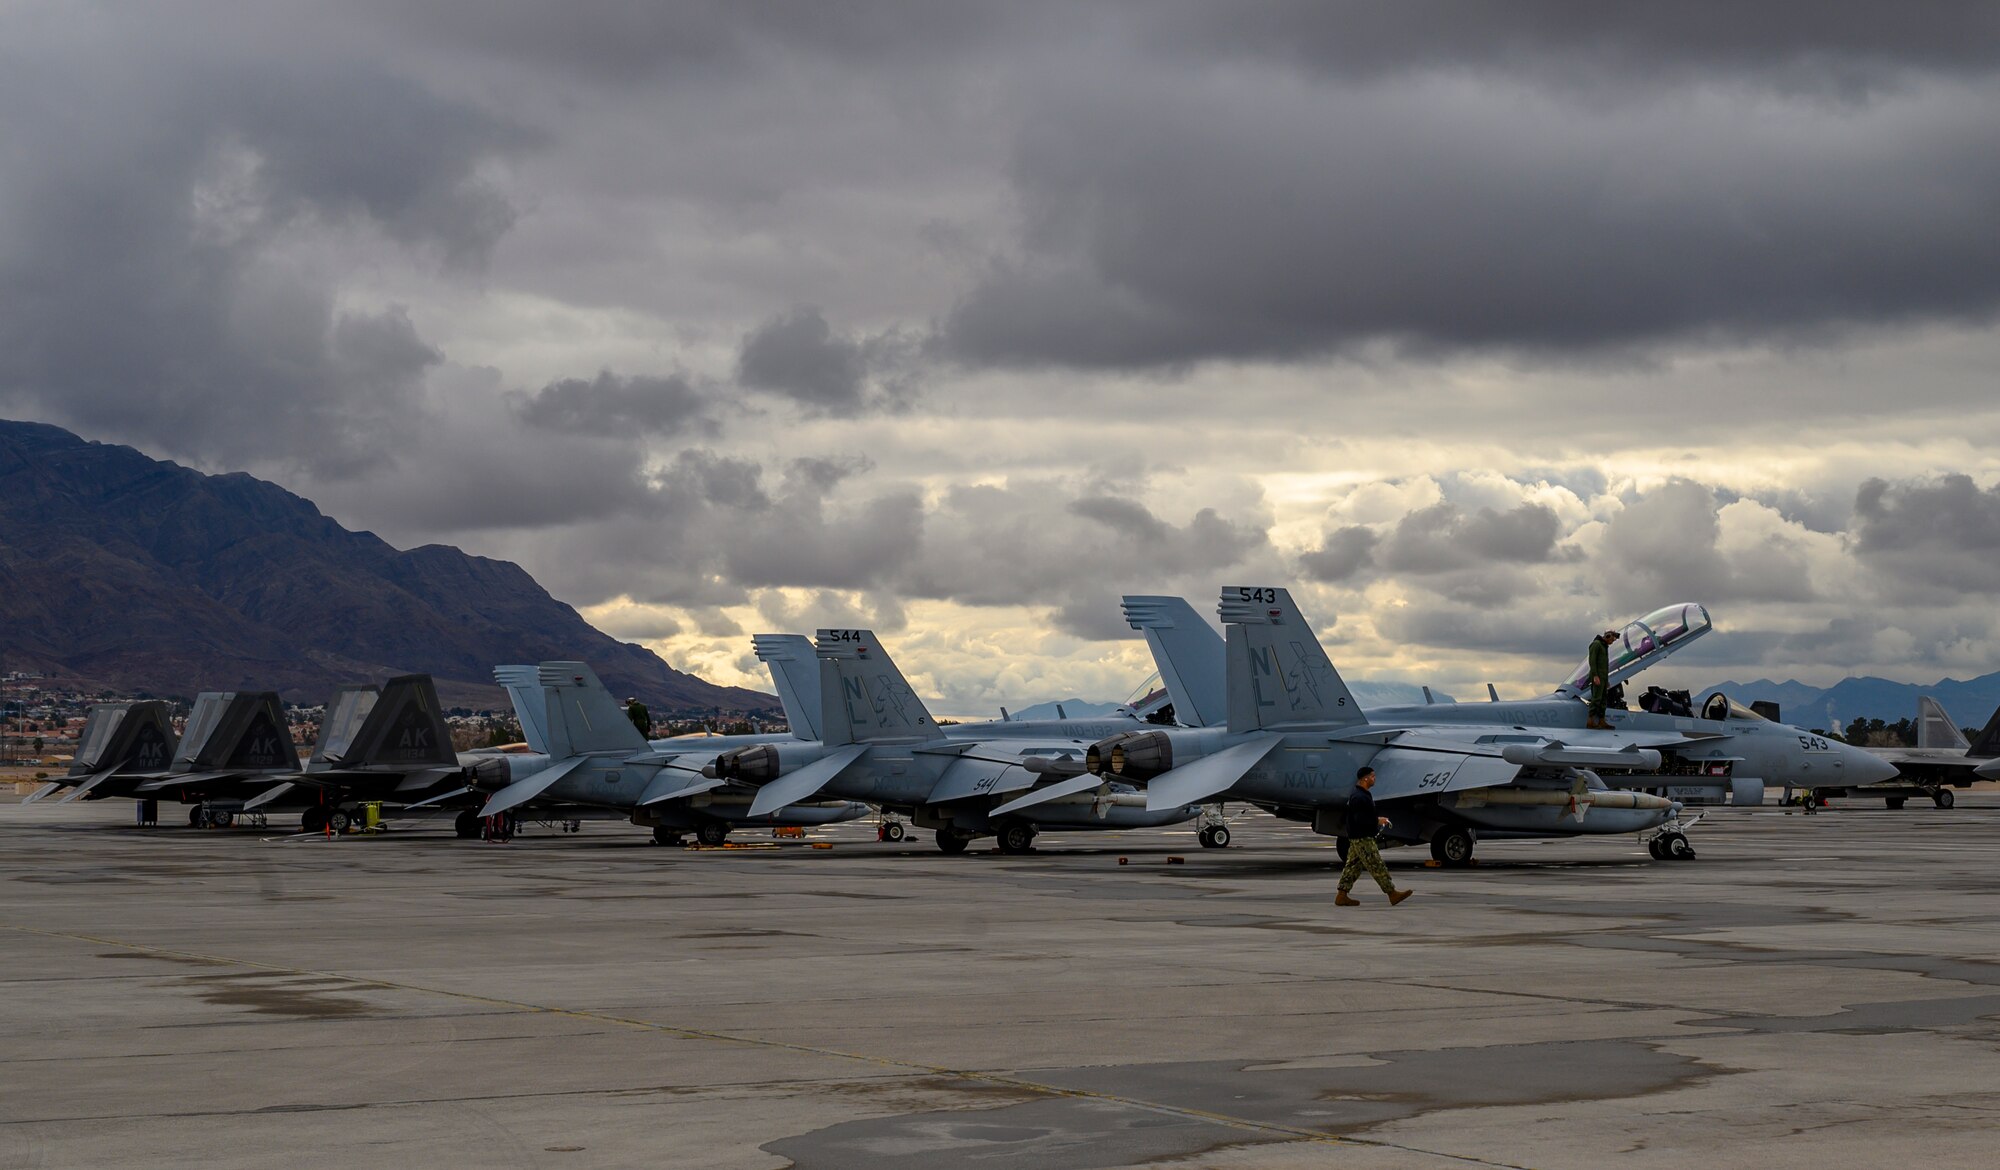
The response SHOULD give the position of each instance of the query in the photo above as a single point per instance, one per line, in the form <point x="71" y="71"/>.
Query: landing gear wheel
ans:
<point x="1676" y="846"/>
<point x="1656" y="849"/>
<point x="1214" y="837"/>
<point x="1452" y="847"/>
<point x="893" y="831"/>
<point x="1894" y="801"/>
<point x="1017" y="838"/>
<point x="712" y="833"/>
<point x="1943" y="798"/>
<point x="950" y="842"/>
<point x="314" y="820"/>
<point x="662" y="835"/>
<point x="338" y="820"/>
<point x="467" y="825"/>
<point x="195" y="817"/>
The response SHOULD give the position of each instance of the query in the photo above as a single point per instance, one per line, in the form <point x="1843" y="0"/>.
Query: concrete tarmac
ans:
<point x="1809" y="992"/>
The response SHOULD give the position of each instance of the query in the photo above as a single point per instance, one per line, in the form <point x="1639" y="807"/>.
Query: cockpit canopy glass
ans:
<point x="1719" y="707"/>
<point x="1150" y="696"/>
<point x="1647" y="640"/>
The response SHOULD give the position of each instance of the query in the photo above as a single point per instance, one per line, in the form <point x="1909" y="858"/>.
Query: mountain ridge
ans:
<point x="136" y="573"/>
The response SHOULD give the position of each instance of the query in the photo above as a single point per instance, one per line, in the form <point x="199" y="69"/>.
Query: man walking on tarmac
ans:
<point x="1362" y="852"/>
<point x="1600" y="679"/>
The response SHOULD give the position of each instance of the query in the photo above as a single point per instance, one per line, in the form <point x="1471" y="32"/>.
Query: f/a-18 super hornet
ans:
<point x="879" y="744"/>
<point x="586" y="755"/>
<point x="230" y="737"/>
<point x="1448" y="774"/>
<point x="1942" y="760"/>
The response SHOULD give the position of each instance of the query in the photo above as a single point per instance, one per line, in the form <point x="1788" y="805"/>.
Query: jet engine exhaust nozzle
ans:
<point x="1142" y="756"/>
<point x="752" y="765"/>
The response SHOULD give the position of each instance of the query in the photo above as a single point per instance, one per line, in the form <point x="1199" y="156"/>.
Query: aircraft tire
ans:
<point x="1452" y="847"/>
<point x="1677" y="847"/>
<point x="194" y="816"/>
<point x="338" y="820"/>
<point x="893" y="831"/>
<point x="466" y="825"/>
<point x="712" y="833"/>
<point x="1943" y="798"/>
<point x="313" y="820"/>
<point x="1894" y="801"/>
<point x="950" y="842"/>
<point x="1016" y="838"/>
<point x="1657" y="851"/>
<point x="1215" y="837"/>
<point x="662" y="835"/>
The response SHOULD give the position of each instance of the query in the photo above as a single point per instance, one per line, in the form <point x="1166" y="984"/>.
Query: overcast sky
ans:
<point x="1482" y="325"/>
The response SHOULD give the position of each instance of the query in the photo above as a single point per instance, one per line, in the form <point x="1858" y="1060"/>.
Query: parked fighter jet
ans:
<point x="118" y="740"/>
<point x="1943" y="759"/>
<point x="1451" y="773"/>
<point x="585" y="752"/>
<point x="879" y="744"/>
<point x="230" y="736"/>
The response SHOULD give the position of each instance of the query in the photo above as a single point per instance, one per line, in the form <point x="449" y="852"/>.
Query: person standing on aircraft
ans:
<point x="1362" y="851"/>
<point x="1600" y="679"/>
<point x="640" y="717"/>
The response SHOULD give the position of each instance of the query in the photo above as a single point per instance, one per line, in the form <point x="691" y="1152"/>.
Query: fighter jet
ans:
<point x="1943" y="759"/>
<point x="879" y="744"/>
<point x="230" y="737"/>
<point x="1448" y="774"/>
<point x="585" y="753"/>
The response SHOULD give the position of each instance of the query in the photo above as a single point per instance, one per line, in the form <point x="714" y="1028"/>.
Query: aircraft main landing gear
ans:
<point x="662" y="835"/>
<point x="1943" y="798"/>
<point x="467" y="825"/>
<point x="712" y="833"/>
<point x="1017" y="838"/>
<point x="1453" y="847"/>
<point x="950" y="842"/>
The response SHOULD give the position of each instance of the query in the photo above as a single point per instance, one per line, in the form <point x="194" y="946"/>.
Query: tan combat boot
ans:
<point x="1340" y="898"/>
<point x="1399" y="895"/>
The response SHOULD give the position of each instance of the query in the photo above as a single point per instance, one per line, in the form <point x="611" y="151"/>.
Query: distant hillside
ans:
<point x="140" y="574"/>
<point x="1969" y="701"/>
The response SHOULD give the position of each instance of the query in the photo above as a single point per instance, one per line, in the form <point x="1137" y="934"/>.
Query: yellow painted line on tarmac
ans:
<point x="1223" y="1119"/>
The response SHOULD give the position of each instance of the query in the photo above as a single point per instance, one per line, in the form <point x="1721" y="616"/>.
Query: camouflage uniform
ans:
<point x="1600" y="672"/>
<point x="1364" y="853"/>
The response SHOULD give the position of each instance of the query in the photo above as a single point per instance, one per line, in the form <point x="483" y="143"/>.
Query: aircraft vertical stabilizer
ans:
<point x="582" y="715"/>
<point x="523" y="685"/>
<point x="795" y="674"/>
<point x="1278" y="674"/>
<point x="1188" y="654"/>
<point x="1987" y="742"/>
<point x="405" y="728"/>
<point x="863" y="696"/>
<point x="346" y="712"/>
<point x="1935" y="728"/>
<point x="125" y="737"/>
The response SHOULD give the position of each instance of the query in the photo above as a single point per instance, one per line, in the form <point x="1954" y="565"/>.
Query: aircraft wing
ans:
<point x="524" y="790"/>
<point x="83" y="788"/>
<point x="1048" y="792"/>
<point x="1404" y="772"/>
<point x="799" y="785"/>
<point x="668" y="786"/>
<point x="1196" y="782"/>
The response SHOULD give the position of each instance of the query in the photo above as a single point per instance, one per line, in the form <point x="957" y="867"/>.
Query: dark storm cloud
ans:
<point x="1344" y="554"/>
<point x="1795" y="43"/>
<point x="1471" y="549"/>
<point x="158" y="211"/>
<point x="1944" y="531"/>
<point x="799" y="356"/>
<point x="1229" y="216"/>
<point x="609" y="405"/>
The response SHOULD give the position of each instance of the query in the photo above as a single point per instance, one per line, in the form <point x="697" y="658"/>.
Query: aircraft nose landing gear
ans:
<point x="1671" y="845"/>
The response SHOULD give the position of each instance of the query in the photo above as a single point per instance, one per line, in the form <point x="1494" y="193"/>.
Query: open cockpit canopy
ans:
<point x="1643" y="642"/>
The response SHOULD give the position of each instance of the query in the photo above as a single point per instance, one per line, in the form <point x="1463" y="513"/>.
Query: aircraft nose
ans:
<point x="1990" y="770"/>
<point x="1866" y="767"/>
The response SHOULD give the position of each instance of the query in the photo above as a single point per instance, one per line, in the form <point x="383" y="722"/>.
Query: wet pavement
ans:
<point x="1810" y="991"/>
